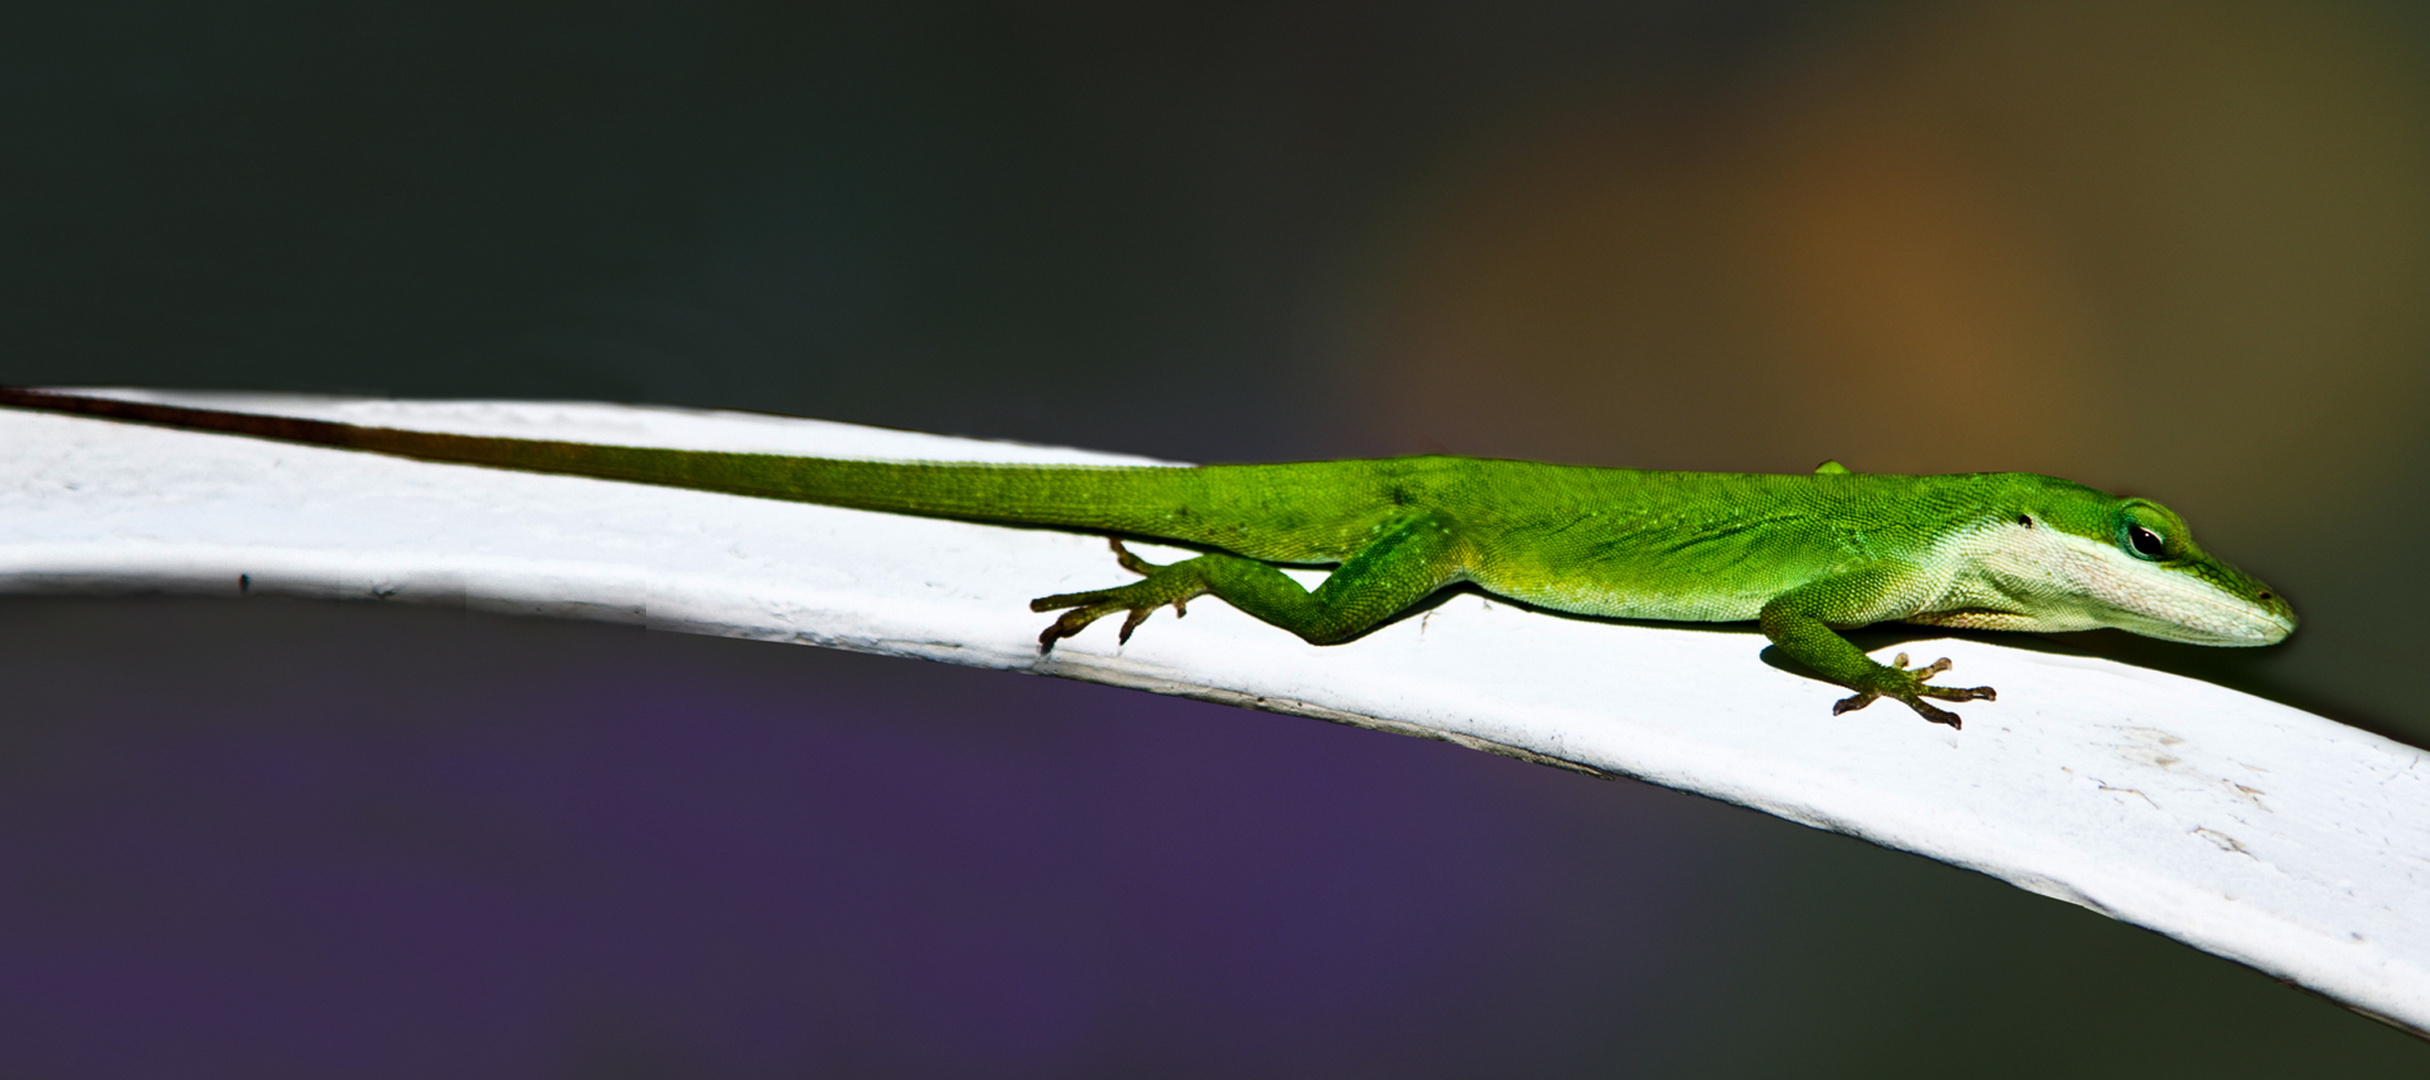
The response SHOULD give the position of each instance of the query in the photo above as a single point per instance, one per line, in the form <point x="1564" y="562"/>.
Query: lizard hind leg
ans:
<point x="1406" y="559"/>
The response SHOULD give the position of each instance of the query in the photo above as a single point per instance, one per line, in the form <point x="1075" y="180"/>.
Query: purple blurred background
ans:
<point x="2169" y="250"/>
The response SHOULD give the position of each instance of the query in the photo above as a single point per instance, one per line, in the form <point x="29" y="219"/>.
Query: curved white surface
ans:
<point x="2246" y="828"/>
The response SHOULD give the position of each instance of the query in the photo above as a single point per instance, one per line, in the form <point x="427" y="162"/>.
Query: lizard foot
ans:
<point x="1909" y="687"/>
<point x="1173" y="584"/>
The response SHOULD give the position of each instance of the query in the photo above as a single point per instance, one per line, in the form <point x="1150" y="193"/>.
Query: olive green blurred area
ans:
<point x="2172" y="250"/>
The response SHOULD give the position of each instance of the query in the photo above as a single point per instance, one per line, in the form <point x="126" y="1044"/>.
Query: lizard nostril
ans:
<point x="2262" y="596"/>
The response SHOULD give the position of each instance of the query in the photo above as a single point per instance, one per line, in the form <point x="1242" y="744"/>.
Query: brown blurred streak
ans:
<point x="1936" y="331"/>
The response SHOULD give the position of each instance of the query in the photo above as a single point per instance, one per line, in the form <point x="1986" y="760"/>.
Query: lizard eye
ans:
<point x="2147" y="543"/>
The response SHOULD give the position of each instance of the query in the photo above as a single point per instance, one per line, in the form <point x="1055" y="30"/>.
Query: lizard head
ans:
<point x="2135" y="564"/>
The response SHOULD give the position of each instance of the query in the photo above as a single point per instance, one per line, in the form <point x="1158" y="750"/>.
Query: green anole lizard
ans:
<point x="1804" y="556"/>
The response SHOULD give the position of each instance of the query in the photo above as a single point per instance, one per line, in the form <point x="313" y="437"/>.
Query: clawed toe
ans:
<point x="1946" y="693"/>
<point x="1058" y="630"/>
<point x="1937" y="716"/>
<point x="1137" y="616"/>
<point x="1130" y="562"/>
<point x="1959" y="693"/>
<point x="1922" y="673"/>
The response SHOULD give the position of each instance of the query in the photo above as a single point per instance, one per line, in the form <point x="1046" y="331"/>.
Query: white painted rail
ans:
<point x="2242" y="827"/>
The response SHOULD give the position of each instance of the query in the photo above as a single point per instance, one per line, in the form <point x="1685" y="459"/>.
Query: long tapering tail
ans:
<point x="1112" y="498"/>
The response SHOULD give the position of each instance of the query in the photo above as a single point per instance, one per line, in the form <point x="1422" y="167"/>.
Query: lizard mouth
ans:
<point x="2206" y="615"/>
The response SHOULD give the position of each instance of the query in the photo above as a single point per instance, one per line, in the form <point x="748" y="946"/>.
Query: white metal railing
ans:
<point x="2242" y="827"/>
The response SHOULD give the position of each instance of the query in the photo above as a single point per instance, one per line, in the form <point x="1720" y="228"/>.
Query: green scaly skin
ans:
<point x="1804" y="556"/>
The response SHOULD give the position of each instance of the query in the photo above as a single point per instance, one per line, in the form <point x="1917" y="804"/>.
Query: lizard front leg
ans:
<point x="1409" y="559"/>
<point x="1802" y="622"/>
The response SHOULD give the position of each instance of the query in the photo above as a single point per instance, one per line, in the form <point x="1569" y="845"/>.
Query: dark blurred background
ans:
<point x="2173" y="250"/>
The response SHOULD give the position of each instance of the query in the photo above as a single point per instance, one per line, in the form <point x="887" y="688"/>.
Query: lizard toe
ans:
<point x="1959" y="693"/>
<point x="1937" y="716"/>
